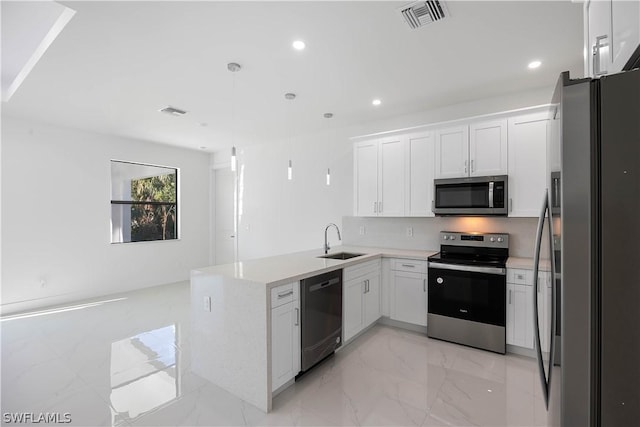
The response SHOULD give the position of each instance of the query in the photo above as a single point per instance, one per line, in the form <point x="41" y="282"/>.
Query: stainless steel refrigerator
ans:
<point x="590" y="371"/>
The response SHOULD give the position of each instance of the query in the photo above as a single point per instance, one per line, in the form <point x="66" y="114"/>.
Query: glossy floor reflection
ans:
<point x="125" y="360"/>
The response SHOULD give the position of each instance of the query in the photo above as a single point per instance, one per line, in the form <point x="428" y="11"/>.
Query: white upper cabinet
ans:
<point x="379" y="177"/>
<point x="625" y="31"/>
<point x="478" y="149"/>
<point x="452" y="152"/>
<point x="366" y="178"/>
<point x="419" y="174"/>
<point x="391" y="177"/>
<point x="527" y="163"/>
<point x="612" y="33"/>
<point x="488" y="148"/>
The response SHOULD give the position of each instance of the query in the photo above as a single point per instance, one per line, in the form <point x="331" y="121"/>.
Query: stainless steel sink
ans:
<point x="341" y="255"/>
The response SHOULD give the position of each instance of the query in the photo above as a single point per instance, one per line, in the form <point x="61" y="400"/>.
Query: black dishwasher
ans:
<point x="321" y="317"/>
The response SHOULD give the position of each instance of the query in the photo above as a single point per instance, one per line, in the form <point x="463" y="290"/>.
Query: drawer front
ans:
<point x="362" y="269"/>
<point x="409" y="265"/>
<point x="284" y="294"/>
<point x="519" y="276"/>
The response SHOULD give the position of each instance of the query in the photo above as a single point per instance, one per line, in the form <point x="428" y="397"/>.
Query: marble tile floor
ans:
<point x="124" y="360"/>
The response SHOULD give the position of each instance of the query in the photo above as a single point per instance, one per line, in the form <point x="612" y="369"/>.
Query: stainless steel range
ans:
<point x="467" y="290"/>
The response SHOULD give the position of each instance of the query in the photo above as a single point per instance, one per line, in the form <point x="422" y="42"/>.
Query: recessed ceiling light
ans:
<point x="376" y="102"/>
<point x="298" y="45"/>
<point x="534" y="64"/>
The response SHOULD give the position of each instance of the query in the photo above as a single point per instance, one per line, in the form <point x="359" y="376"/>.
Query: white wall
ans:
<point x="281" y="216"/>
<point x="392" y="232"/>
<point x="56" y="216"/>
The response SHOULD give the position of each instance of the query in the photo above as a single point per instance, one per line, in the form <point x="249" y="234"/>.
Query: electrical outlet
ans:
<point x="409" y="231"/>
<point x="363" y="231"/>
<point x="207" y="304"/>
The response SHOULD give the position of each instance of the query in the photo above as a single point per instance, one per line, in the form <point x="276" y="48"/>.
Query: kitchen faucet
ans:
<point x="326" y="242"/>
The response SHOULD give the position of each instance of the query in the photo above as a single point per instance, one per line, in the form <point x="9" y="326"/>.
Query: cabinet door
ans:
<point x="420" y="151"/>
<point x="366" y="178"/>
<point x="284" y="343"/>
<point x="409" y="297"/>
<point x="599" y="37"/>
<point x="353" y="309"/>
<point x="452" y="152"/>
<point x="520" y="315"/>
<point x="625" y="32"/>
<point x="391" y="177"/>
<point x="527" y="163"/>
<point x="372" y="299"/>
<point x="544" y="307"/>
<point x="488" y="148"/>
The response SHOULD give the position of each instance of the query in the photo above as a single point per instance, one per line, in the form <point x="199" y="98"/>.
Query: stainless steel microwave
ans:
<point x="481" y="195"/>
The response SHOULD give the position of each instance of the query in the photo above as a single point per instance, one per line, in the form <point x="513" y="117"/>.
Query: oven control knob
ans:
<point x="500" y="240"/>
<point x="445" y="237"/>
<point x="493" y="239"/>
<point x="452" y="237"/>
<point x="440" y="280"/>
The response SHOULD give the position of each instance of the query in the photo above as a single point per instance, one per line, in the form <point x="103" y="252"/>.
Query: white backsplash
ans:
<point x="392" y="232"/>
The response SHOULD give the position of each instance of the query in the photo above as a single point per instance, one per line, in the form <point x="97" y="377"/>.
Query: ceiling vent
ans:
<point x="173" y="111"/>
<point x="421" y="13"/>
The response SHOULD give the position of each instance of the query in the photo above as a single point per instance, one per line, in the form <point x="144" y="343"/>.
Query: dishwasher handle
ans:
<point x="322" y="285"/>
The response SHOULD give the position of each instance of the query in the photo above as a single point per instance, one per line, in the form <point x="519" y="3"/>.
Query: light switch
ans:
<point x="207" y="304"/>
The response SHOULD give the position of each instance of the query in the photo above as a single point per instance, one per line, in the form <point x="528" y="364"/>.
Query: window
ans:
<point x="144" y="202"/>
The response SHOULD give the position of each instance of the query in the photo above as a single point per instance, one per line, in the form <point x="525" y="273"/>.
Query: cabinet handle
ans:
<point x="285" y="294"/>
<point x="379" y="207"/>
<point x="509" y="296"/>
<point x="596" y="56"/>
<point x="409" y="265"/>
<point x="472" y="168"/>
<point x="297" y="317"/>
<point x="424" y="285"/>
<point x="465" y="166"/>
<point x="375" y="207"/>
<point x="510" y="204"/>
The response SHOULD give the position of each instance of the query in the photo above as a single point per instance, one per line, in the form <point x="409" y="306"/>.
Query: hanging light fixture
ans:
<point x="234" y="160"/>
<point x="234" y="68"/>
<point x="290" y="97"/>
<point x="328" y="116"/>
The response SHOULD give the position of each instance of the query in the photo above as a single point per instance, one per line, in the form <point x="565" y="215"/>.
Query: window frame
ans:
<point x="141" y="203"/>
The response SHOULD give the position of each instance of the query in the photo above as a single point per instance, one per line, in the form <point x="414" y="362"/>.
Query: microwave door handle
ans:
<point x="536" y="314"/>
<point x="491" y="194"/>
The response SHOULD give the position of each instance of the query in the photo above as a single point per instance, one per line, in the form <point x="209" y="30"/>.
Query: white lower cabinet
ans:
<point x="285" y="334"/>
<point x="520" y="314"/>
<point x="408" y="291"/>
<point x="360" y="298"/>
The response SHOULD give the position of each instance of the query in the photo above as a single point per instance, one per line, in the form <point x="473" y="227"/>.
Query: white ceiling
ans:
<point x="116" y="63"/>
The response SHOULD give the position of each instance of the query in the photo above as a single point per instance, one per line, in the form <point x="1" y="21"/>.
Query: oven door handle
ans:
<point x="470" y="268"/>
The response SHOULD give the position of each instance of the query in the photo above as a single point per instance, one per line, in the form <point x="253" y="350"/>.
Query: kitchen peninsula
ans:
<point x="232" y="315"/>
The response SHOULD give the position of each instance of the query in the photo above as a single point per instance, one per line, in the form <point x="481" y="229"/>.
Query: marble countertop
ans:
<point x="281" y="269"/>
<point x="527" y="263"/>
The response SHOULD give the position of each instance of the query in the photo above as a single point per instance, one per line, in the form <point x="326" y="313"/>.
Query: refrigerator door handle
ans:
<point x="536" y="328"/>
